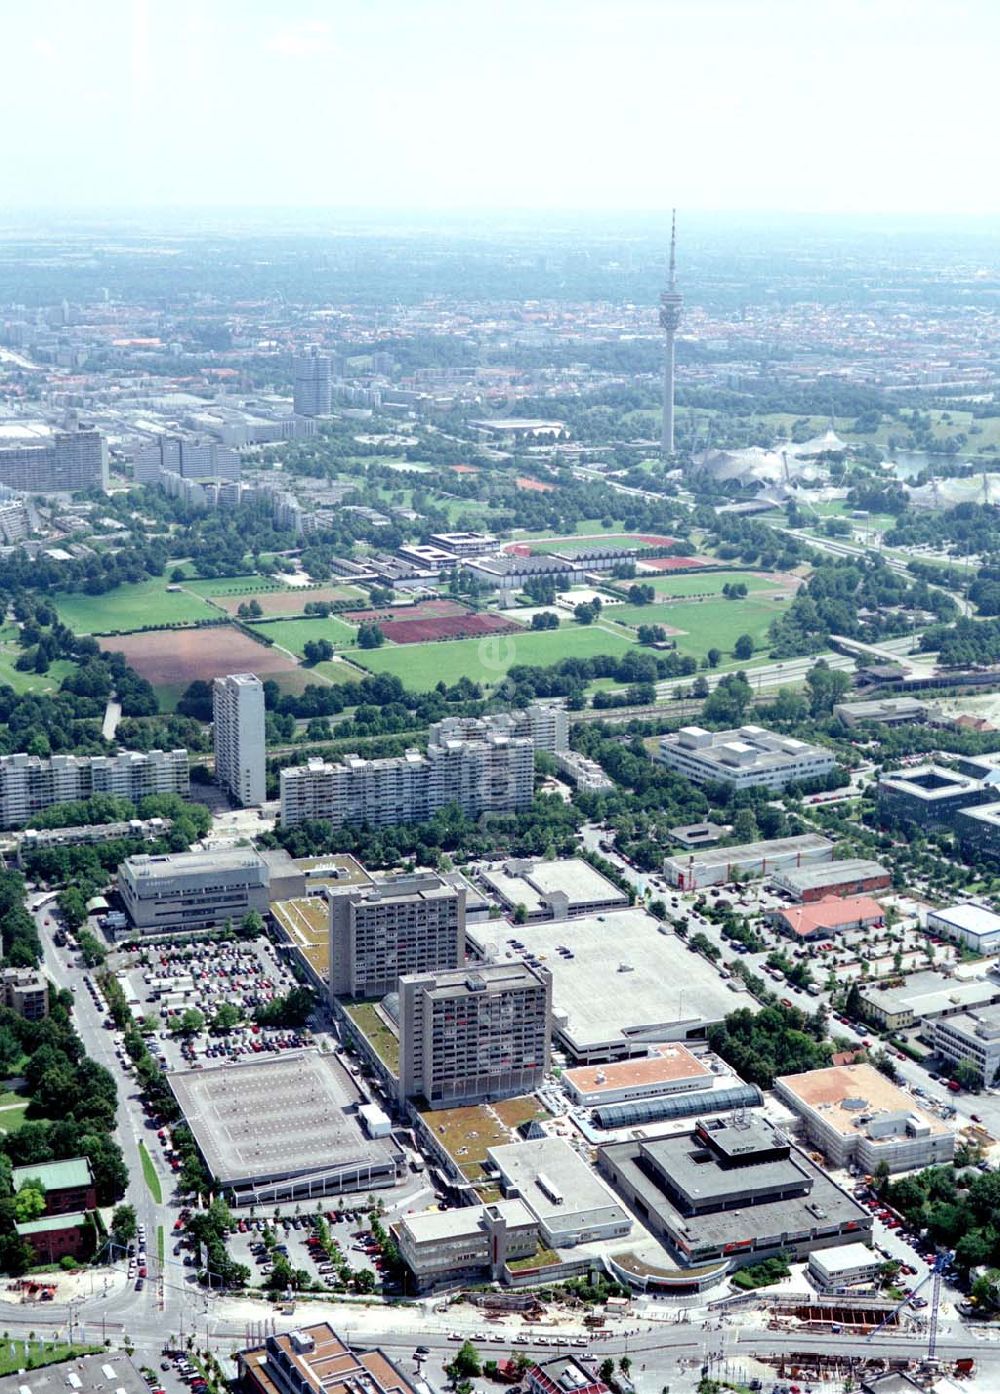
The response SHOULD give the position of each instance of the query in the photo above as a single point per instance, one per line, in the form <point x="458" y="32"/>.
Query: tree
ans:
<point x="743" y="648"/>
<point x="252" y="924"/>
<point x="606" y="1369"/>
<point x="227" y="1015"/>
<point x="189" y="1023"/>
<point x="714" y="657"/>
<point x="520" y="913"/>
<point x="745" y="827"/>
<point x="466" y="1364"/>
<point x="370" y="636"/>
<point x="29" y="1202"/>
<point x="123" y="1223"/>
<point x="364" y="1280"/>
<point x="968" y="1076"/>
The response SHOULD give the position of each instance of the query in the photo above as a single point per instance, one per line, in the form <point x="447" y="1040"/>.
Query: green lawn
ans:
<point x="335" y="671"/>
<point x="295" y="634"/>
<point x="422" y="666"/>
<point x="128" y="608"/>
<point x="12" y="1118"/>
<point x="31" y="682"/>
<point x="707" y="624"/>
<point x="586" y="544"/>
<point x="151" y="1175"/>
<point x="31" y="1354"/>
<point x="234" y="585"/>
<point x="702" y="582"/>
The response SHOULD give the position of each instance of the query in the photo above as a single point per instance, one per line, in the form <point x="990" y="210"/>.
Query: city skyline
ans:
<point x="557" y="108"/>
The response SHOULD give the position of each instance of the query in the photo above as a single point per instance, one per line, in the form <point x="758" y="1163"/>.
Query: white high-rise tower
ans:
<point x="671" y="303"/>
<point x="238" y="717"/>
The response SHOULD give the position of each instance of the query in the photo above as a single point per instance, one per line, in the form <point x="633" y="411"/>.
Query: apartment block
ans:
<point x="403" y="925"/>
<point x="193" y="890"/>
<point x="29" y="783"/>
<point x="26" y="991"/>
<point x="58" y="462"/>
<point x="471" y="1036"/>
<point x="238" y="729"/>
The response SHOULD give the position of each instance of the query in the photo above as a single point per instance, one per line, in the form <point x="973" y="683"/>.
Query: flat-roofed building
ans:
<point x="747" y="758"/>
<point x="400" y="925"/>
<point x="927" y="996"/>
<point x="238" y="731"/>
<point x="718" y="866"/>
<point x="553" y="890"/>
<point x="848" y="1265"/>
<point x="54" y="462"/>
<point x="852" y="876"/>
<point x="568" y="1199"/>
<point x="26" y="991"/>
<point x="465" y="544"/>
<point x="89" y="1374"/>
<point x="668" y="1069"/>
<point x="314" y="1360"/>
<point x="731" y="1192"/>
<point x="833" y="914"/>
<point x="978" y="829"/>
<point x="971" y="1038"/>
<point x="972" y="925"/>
<point x="884" y="711"/>
<point x="30" y="783"/>
<point x="471" y="1035"/>
<point x="193" y="890"/>
<point x="930" y="796"/>
<point x="853" y="1114"/>
<point x="471" y="1244"/>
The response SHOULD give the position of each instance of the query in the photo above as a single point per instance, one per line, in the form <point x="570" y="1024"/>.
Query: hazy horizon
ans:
<point x="841" y="108"/>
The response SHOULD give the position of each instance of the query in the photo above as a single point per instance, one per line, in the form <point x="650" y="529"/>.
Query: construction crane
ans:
<point x="933" y="1276"/>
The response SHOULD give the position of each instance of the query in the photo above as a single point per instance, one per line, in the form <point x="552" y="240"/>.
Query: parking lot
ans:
<point x="256" y="1239"/>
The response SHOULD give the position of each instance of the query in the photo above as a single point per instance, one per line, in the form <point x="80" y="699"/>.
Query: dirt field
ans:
<point x="286" y="602"/>
<point x="424" y="610"/>
<point x="168" y="658"/>
<point x="465" y="626"/>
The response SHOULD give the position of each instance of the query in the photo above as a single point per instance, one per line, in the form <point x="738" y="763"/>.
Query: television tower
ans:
<point x="671" y="302"/>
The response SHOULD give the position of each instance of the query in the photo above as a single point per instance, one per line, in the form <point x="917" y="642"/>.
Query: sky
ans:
<point x="819" y="106"/>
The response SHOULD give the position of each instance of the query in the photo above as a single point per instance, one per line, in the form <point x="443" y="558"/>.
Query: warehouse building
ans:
<point x="554" y="890"/>
<point x="668" y="1069"/>
<point x="404" y="924"/>
<point x="473" y="1035"/>
<point x="748" y="758"/>
<point x="853" y="876"/>
<point x="930" y="796"/>
<point x="831" y="915"/>
<point x="193" y="890"/>
<point x="854" y="1114"/>
<point x="927" y="996"/>
<point x="470" y="1245"/>
<point x="731" y="1191"/>
<point x="718" y="866"/>
<point x="570" y="1202"/>
<point x="971" y="925"/>
<point x="282" y="1129"/>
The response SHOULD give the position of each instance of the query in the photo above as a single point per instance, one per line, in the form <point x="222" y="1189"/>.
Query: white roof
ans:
<point x="974" y="919"/>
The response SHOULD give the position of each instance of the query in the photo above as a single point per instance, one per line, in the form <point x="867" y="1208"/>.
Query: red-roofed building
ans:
<point x="565" y="1375"/>
<point x="832" y="915"/>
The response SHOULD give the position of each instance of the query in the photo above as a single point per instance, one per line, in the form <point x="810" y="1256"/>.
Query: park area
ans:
<point x="171" y="659"/>
<point x="421" y="667"/>
<point x="700" y="625"/>
<point x="128" y="608"/>
<point x="710" y="583"/>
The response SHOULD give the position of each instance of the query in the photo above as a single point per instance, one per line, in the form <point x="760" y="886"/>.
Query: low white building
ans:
<point x="570" y="1202"/>
<point x="747" y="758"/>
<point x="972" y="925"/>
<point x="847" y="1265"/>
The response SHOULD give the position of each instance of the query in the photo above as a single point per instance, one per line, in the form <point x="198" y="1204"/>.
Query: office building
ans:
<point x="472" y="1036"/>
<point x="29" y="783"/>
<point x="855" y="1115"/>
<point x="312" y="384"/>
<point x="749" y="758"/>
<point x="833" y="914"/>
<point x="971" y="1038"/>
<point x="314" y="1360"/>
<point x="238" y="729"/>
<point x="812" y="882"/>
<point x="731" y="1192"/>
<point x="469" y="1245"/>
<point x="846" y="1266"/>
<point x="667" y="1070"/>
<point x="464" y="544"/>
<point x="718" y="866"/>
<point x="53" y="462"/>
<point x="973" y="926"/>
<point x="485" y="765"/>
<point x="26" y="991"/>
<point x="193" y="890"/>
<point x="404" y="924"/>
<point x="930" y="796"/>
<point x="570" y="1202"/>
<point x="978" y="830"/>
<point x="190" y="457"/>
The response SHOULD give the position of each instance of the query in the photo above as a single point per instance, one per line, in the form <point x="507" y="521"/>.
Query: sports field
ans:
<point x="704" y="583"/>
<point x="252" y="584"/>
<point x="289" y="600"/>
<point x="127" y="608"/>
<point x="422" y="666"/>
<point x="630" y="540"/>
<point x="295" y="634"/>
<point x="170" y="659"/>
<point x="706" y="624"/>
